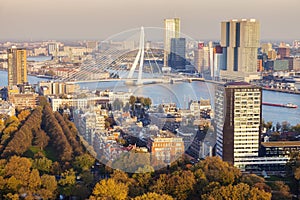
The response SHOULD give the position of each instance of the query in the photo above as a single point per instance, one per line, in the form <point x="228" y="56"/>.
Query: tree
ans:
<point x="67" y="182"/>
<point x="295" y="128"/>
<point x="239" y="191"/>
<point x="42" y="164"/>
<point x="110" y="189"/>
<point x="48" y="187"/>
<point x="18" y="167"/>
<point x="285" y="126"/>
<point x="282" y="191"/>
<point x="23" y="115"/>
<point x="34" y="182"/>
<point x="153" y="196"/>
<point x="255" y="181"/>
<point x="58" y="139"/>
<point x="84" y="162"/>
<point x="132" y="100"/>
<point x="142" y="179"/>
<point x="268" y="125"/>
<point x="217" y="170"/>
<point x="13" y="121"/>
<point x="71" y="133"/>
<point x="2" y="126"/>
<point x="147" y="102"/>
<point x="179" y="184"/>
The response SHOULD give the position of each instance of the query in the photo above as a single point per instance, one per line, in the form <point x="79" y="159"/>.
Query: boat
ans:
<point x="288" y="105"/>
<point x="291" y="105"/>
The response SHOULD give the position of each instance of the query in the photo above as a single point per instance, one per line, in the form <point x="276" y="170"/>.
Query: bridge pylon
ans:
<point x="139" y="58"/>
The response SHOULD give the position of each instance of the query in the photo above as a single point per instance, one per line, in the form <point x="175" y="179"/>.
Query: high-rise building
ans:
<point x="17" y="66"/>
<point x="172" y="30"/>
<point x="53" y="48"/>
<point x="283" y="52"/>
<point x="266" y="47"/>
<point x="201" y="58"/>
<point x="238" y="121"/>
<point x="240" y="40"/>
<point x="177" y="54"/>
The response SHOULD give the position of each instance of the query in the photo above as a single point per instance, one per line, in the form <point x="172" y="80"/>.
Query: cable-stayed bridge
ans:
<point x="135" y="66"/>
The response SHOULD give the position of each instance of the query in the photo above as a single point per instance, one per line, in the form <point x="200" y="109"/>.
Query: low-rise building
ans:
<point x="22" y="101"/>
<point x="7" y="108"/>
<point x="166" y="146"/>
<point x="78" y="103"/>
<point x="56" y="88"/>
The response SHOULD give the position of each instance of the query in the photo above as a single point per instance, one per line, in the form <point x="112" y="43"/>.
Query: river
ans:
<point x="182" y="93"/>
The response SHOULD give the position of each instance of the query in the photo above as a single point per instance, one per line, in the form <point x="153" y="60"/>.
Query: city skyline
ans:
<point x="95" y="20"/>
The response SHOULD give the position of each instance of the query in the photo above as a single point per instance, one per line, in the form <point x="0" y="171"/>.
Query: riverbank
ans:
<point x="281" y="90"/>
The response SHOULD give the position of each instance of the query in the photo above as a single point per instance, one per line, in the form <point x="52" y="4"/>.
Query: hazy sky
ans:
<point x="99" y="19"/>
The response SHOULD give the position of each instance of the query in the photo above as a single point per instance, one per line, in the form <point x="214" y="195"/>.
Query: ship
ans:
<point x="288" y="105"/>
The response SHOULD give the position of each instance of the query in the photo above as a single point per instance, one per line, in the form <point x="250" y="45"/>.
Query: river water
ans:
<point x="182" y="93"/>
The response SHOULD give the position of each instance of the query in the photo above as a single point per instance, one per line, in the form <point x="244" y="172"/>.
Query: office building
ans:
<point x="177" y="54"/>
<point x="172" y="30"/>
<point x="17" y="66"/>
<point x="240" y="40"/>
<point x="53" y="48"/>
<point x="238" y="121"/>
<point x="283" y="52"/>
<point x="266" y="47"/>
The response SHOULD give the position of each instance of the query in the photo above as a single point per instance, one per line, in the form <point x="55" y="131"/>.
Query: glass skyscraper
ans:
<point x="172" y="30"/>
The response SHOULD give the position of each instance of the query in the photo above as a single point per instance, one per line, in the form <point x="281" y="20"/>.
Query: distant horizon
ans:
<point x="288" y="41"/>
<point x="99" y="19"/>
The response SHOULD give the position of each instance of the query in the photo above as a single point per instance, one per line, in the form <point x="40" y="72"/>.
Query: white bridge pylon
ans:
<point x="139" y="57"/>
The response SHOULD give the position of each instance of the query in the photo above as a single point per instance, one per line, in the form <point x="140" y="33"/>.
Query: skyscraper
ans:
<point x="17" y="66"/>
<point x="172" y="30"/>
<point x="238" y="121"/>
<point x="177" y="54"/>
<point x="240" y="40"/>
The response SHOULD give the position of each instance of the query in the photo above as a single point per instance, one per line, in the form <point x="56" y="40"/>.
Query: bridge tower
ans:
<point x="139" y="58"/>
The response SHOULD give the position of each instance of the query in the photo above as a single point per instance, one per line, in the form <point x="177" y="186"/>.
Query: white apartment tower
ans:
<point x="238" y="121"/>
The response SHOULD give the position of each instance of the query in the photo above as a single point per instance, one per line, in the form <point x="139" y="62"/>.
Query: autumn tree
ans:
<point x="217" y="170"/>
<point x="236" y="192"/>
<point x="67" y="182"/>
<point x="153" y="196"/>
<point x="281" y="191"/>
<point x="22" y="139"/>
<point x="18" y="179"/>
<point x="179" y="185"/>
<point x="147" y="102"/>
<point x="42" y="164"/>
<point x="84" y="162"/>
<point x="132" y="100"/>
<point x="57" y="137"/>
<point x="255" y="181"/>
<point x="71" y="136"/>
<point x="110" y="189"/>
<point x="23" y="115"/>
